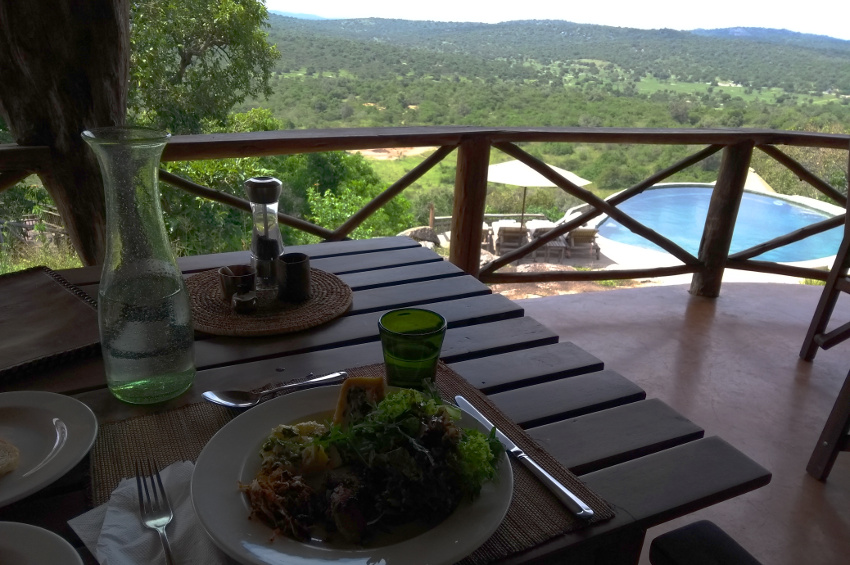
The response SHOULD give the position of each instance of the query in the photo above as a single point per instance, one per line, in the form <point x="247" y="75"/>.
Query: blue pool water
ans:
<point x="678" y="213"/>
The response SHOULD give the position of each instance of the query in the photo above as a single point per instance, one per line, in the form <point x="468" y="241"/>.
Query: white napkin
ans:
<point x="114" y="533"/>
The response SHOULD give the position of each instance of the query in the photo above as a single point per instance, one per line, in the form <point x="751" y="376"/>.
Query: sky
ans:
<point x="824" y="17"/>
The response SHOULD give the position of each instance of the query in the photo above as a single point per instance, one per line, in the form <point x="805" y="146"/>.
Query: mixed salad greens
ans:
<point x="402" y="459"/>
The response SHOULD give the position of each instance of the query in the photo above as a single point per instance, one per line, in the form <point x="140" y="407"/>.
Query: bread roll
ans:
<point x="357" y="397"/>
<point x="9" y="457"/>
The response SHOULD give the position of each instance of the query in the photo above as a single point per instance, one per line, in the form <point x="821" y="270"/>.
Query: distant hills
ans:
<point x="767" y="34"/>
<point x="342" y="73"/>
<point x="752" y="57"/>
<point x="778" y="36"/>
<point x="296" y="15"/>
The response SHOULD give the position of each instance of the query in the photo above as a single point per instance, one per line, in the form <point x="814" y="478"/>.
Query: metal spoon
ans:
<point x="247" y="399"/>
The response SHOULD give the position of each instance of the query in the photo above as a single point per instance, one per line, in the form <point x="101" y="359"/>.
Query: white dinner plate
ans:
<point x="53" y="432"/>
<point x="23" y="544"/>
<point x="232" y="456"/>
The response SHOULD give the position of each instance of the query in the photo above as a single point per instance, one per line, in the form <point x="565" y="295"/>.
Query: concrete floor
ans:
<point x="731" y="365"/>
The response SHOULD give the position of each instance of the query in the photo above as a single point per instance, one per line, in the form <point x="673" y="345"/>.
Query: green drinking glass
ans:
<point x="411" y="339"/>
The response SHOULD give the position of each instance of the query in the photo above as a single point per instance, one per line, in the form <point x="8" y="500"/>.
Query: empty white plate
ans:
<point x="23" y="544"/>
<point x="53" y="432"/>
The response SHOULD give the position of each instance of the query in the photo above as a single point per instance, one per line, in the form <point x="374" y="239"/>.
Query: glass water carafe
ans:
<point x="144" y="312"/>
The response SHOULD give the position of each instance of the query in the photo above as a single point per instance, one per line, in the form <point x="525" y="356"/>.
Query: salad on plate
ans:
<point x="383" y="460"/>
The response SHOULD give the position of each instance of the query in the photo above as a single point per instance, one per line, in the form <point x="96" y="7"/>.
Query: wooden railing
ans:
<point x="473" y="147"/>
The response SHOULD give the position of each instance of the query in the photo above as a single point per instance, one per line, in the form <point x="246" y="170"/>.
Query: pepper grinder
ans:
<point x="266" y="243"/>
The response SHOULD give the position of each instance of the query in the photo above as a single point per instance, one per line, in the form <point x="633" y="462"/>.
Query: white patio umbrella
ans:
<point x="518" y="173"/>
<point x="755" y="183"/>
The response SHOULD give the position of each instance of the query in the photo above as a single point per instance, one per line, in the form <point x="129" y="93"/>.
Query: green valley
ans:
<point x="384" y="73"/>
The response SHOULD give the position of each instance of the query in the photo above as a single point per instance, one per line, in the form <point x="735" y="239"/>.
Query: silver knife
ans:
<point x="570" y="500"/>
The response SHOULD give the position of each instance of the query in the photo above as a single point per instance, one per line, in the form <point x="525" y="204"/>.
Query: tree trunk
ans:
<point x="64" y="67"/>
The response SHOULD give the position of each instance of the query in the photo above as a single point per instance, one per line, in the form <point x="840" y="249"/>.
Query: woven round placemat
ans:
<point x="330" y="298"/>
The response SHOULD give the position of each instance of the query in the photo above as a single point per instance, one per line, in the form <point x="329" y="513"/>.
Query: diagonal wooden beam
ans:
<point x="790" y="237"/>
<point x="351" y="224"/>
<point x="600" y="205"/>
<point x="239" y="203"/>
<point x="804" y="174"/>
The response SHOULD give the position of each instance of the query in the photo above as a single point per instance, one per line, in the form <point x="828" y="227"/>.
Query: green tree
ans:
<point x="330" y="209"/>
<point x="340" y="184"/>
<point x="27" y="198"/>
<point x="330" y="171"/>
<point x="193" y="60"/>
<point x="196" y="225"/>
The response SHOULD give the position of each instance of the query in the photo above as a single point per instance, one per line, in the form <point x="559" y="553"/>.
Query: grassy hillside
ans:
<point x="798" y="63"/>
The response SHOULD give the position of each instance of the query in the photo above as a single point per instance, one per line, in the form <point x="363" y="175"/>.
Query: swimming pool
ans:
<point x="678" y="212"/>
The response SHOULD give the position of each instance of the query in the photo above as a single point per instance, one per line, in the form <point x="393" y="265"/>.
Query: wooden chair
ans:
<point x="585" y="236"/>
<point x="509" y="238"/>
<point x="836" y="283"/>
<point x="834" y="438"/>
<point x="699" y="543"/>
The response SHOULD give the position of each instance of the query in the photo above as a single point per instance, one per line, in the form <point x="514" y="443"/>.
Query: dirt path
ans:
<point x="386" y="154"/>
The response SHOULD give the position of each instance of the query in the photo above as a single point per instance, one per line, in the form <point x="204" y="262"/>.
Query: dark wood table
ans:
<point x="649" y="462"/>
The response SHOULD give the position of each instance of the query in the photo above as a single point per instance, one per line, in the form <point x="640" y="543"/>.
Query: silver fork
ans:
<point x="156" y="514"/>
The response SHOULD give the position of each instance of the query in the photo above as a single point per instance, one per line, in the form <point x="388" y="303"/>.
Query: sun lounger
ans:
<point x="581" y="237"/>
<point x="559" y="247"/>
<point x="509" y="238"/>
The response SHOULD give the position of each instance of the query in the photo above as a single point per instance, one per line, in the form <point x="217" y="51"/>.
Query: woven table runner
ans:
<point x="330" y="298"/>
<point x="534" y="516"/>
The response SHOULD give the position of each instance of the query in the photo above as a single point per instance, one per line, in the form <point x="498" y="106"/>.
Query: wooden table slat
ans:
<point x="70" y="377"/>
<point x="677" y="481"/>
<point x="348" y="330"/>
<point x="392" y="276"/>
<point x="342" y="264"/>
<point x="540" y="404"/>
<point x="383" y="277"/>
<point x="652" y="490"/>
<point x="498" y="373"/>
<point x="417" y="294"/>
<point x="197" y="263"/>
<point x="320" y="251"/>
<point x="588" y="443"/>
<point x="501" y="337"/>
<point x="355" y="246"/>
<point x="467" y="341"/>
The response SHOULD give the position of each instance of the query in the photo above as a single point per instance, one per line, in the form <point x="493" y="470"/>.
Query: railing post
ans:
<point x="473" y="158"/>
<point x="720" y="221"/>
